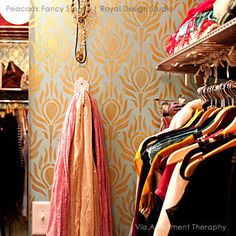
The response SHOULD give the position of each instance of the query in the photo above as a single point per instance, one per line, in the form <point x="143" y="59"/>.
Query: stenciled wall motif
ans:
<point x="124" y="44"/>
<point x="17" y="52"/>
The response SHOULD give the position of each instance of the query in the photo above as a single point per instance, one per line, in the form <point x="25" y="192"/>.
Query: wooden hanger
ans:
<point x="218" y="119"/>
<point x="210" y="112"/>
<point x="199" y="157"/>
<point x="180" y="154"/>
<point x="231" y="127"/>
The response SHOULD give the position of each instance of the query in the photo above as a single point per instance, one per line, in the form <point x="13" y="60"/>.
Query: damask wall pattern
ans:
<point x="123" y="47"/>
<point x="17" y="52"/>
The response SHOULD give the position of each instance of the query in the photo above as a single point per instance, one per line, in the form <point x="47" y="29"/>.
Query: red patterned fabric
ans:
<point x="173" y="43"/>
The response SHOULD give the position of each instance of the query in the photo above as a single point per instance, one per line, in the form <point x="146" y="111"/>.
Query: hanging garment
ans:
<point x="59" y="205"/>
<point x="173" y="196"/>
<point x="12" y="76"/>
<point x="159" y="165"/>
<point x="25" y="153"/>
<point x="178" y="184"/>
<point x="231" y="205"/>
<point x="142" y="165"/>
<point x="153" y="155"/>
<point x="146" y="201"/>
<point x="81" y="205"/>
<point x="102" y="173"/>
<point x="175" y="191"/>
<point x="204" y="203"/>
<point x="11" y="171"/>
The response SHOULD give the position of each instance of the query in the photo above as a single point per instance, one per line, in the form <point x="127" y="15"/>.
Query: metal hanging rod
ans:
<point x="163" y="100"/>
<point x="215" y="93"/>
<point x="13" y="41"/>
<point x="14" y="101"/>
<point x="11" y="89"/>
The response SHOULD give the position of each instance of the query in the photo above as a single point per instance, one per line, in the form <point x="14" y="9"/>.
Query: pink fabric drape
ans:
<point x="58" y="217"/>
<point x="102" y="173"/>
<point x="80" y="203"/>
<point x="83" y="209"/>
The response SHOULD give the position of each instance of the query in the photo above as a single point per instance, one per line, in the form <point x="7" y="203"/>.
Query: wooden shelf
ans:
<point x="13" y="94"/>
<point x="14" y="33"/>
<point x="217" y="42"/>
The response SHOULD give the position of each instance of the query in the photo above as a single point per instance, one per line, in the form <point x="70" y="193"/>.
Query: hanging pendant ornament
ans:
<point x="81" y="16"/>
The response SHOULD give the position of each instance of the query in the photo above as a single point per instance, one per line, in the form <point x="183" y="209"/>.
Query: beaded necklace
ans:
<point x="84" y="10"/>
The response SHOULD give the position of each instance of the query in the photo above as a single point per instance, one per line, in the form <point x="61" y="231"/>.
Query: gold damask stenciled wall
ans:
<point x="123" y="48"/>
<point x="17" y="52"/>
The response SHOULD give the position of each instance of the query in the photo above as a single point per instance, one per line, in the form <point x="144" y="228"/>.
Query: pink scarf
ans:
<point x="72" y="207"/>
<point x="58" y="217"/>
<point x="102" y="173"/>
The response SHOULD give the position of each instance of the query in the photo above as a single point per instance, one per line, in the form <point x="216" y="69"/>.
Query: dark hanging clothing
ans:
<point x="203" y="208"/>
<point x="11" y="170"/>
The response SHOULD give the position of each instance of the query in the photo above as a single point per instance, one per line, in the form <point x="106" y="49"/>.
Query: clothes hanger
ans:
<point x="221" y="117"/>
<point x="227" y="88"/>
<point x="231" y="127"/>
<point x="180" y="154"/>
<point x="204" y="148"/>
<point x="198" y="158"/>
<point x="202" y="97"/>
<point x="233" y="95"/>
<point x="176" y="131"/>
<point x="226" y="95"/>
<point x="209" y="113"/>
<point x="211" y="110"/>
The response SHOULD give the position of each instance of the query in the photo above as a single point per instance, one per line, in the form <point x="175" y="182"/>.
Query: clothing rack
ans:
<point x="14" y="41"/>
<point x="14" y="104"/>
<point x="14" y="101"/>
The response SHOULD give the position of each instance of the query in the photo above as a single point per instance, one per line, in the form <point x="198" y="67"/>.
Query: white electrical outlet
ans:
<point x="40" y="214"/>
